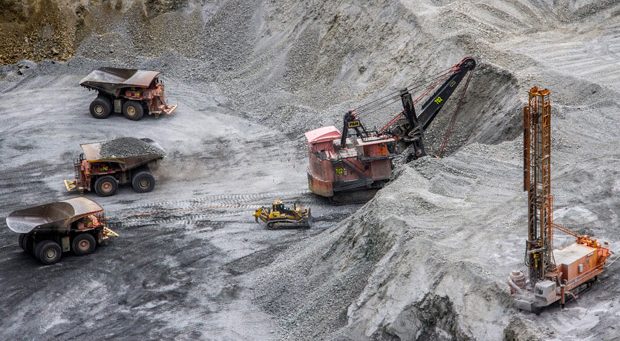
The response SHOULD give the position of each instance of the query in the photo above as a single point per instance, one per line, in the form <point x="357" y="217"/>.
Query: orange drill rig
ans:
<point x="554" y="275"/>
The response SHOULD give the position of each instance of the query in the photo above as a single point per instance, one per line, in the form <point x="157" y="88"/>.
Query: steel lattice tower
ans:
<point x="537" y="182"/>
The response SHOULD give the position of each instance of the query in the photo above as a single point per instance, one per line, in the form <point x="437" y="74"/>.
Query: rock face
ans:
<point x="432" y="318"/>
<point x="50" y="29"/>
<point x="36" y="30"/>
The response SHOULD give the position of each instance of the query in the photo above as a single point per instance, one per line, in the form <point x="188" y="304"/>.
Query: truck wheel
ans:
<point x="145" y="108"/>
<point x="28" y="244"/>
<point x="106" y="186"/>
<point x="83" y="244"/>
<point x="133" y="110"/>
<point x="48" y="252"/>
<point x="100" y="107"/>
<point x="22" y="238"/>
<point x="143" y="182"/>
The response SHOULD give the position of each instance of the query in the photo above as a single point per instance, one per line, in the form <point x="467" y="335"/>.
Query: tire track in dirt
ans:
<point x="597" y="59"/>
<point x="225" y="200"/>
<point x="210" y="210"/>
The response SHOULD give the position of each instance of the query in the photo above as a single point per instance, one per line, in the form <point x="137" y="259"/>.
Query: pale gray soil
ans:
<point x="426" y="259"/>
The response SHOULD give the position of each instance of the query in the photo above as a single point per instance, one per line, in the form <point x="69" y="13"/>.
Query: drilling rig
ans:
<point x="553" y="275"/>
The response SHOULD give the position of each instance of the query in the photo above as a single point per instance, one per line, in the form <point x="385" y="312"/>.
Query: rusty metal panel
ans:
<point x="576" y="262"/>
<point x="320" y="187"/>
<point x="109" y="78"/>
<point x="141" y="78"/>
<point x="324" y="134"/>
<point x="52" y="216"/>
<point x="381" y="170"/>
<point x="526" y="148"/>
<point x="375" y="150"/>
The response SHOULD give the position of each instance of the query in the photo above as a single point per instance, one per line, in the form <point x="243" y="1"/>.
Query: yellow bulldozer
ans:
<point x="279" y="216"/>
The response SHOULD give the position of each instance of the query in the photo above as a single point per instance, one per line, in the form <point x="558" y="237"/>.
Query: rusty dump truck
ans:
<point x="129" y="91"/>
<point x="103" y="166"/>
<point x="46" y="231"/>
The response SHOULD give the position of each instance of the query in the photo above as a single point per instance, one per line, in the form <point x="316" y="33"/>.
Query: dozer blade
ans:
<point x="288" y="224"/>
<point x="260" y="214"/>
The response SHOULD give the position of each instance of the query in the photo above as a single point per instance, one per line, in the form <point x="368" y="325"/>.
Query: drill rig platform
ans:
<point x="553" y="275"/>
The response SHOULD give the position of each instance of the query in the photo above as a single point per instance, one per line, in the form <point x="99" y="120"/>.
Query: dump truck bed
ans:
<point x="129" y="152"/>
<point x="52" y="216"/>
<point x="110" y="80"/>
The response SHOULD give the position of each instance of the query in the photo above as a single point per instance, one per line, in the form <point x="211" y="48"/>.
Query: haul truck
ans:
<point x="46" y="231"/>
<point x="103" y="166"/>
<point x="129" y="91"/>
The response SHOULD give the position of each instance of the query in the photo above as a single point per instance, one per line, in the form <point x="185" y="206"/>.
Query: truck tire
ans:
<point x="133" y="110"/>
<point x="83" y="244"/>
<point x="143" y="182"/>
<point x="28" y="244"/>
<point x="48" y="252"/>
<point x="100" y="107"/>
<point x="106" y="186"/>
<point x="22" y="238"/>
<point x="145" y="108"/>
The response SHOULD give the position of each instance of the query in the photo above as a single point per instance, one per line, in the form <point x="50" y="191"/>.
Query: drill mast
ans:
<point x="537" y="182"/>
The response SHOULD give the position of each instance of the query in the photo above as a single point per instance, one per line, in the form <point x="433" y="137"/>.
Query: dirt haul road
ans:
<point x="176" y="270"/>
<point x="427" y="259"/>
